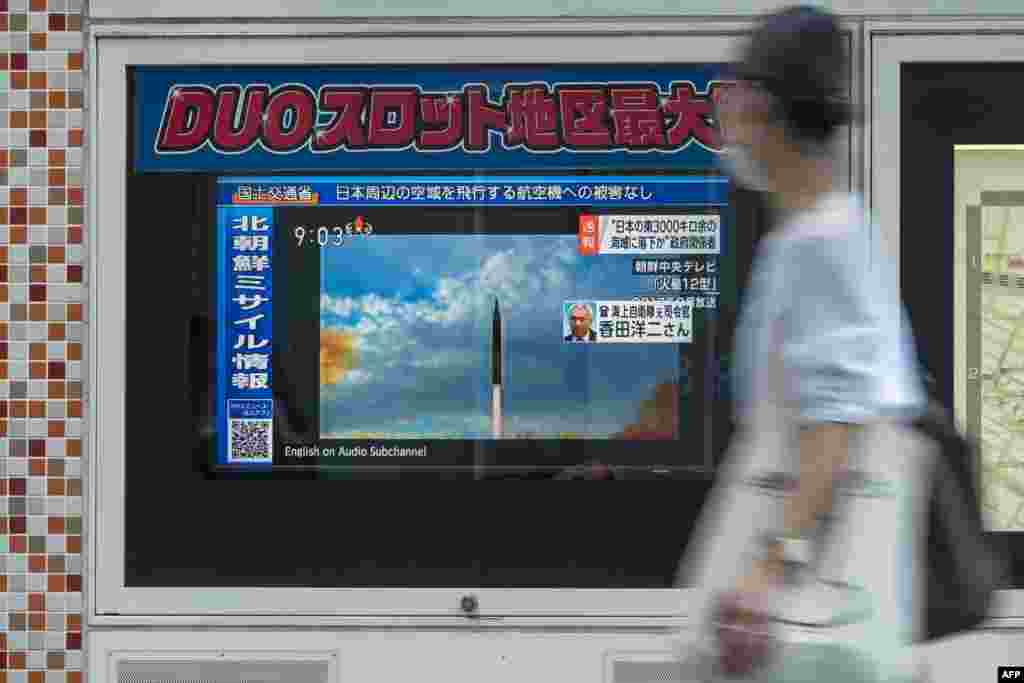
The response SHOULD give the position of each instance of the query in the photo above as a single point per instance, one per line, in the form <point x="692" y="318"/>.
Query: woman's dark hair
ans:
<point x="799" y="56"/>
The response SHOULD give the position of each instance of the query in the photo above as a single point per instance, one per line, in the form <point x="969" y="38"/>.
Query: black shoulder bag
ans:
<point x="963" y="566"/>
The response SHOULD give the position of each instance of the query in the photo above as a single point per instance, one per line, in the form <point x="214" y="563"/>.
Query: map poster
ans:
<point x="990" y="323"/>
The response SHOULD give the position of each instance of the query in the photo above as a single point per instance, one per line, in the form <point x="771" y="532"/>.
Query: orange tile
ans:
<point x="55" y="254"/>
<point x="19" y="234"/>
<point x="74" y="409"/>
<point x="3" y="254"/>
<point x="57" y="156"/>
<point x="19" y="80"/>
<point x="55" y="429"/>
<point x="3" y="294"/>
<point x="75" y="137"/>
<point x="37" y="370"/>
<point x="75" y="61"/>
<point x="75" y="312"/>
<point x="37" y="564"/>
<point x="55" y="583"/>
<point x="56" y="332"/>
<point x="19" y="197"/>
<point x="36" y="409"/>
<point x="38" y="5"/>
<point x="74" y="544"/>
<point x="56" y="176"/>
<point x="37" y="468"/>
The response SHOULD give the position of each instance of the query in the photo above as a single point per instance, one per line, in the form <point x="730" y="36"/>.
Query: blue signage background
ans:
<point x="153" y="85"/>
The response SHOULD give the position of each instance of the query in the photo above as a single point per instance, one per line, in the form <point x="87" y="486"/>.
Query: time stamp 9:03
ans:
<point x="324" y="236"/>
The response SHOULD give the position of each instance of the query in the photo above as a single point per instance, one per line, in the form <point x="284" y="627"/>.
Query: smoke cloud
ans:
<point x="338" y="355"/>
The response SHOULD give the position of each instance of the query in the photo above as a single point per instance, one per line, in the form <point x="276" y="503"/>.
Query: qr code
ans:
<point x="251" y="440"/>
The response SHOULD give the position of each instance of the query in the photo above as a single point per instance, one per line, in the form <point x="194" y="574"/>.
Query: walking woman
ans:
<point x="804" y="559"/>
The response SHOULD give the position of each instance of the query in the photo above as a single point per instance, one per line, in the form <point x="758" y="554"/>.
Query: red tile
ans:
<point x="74" y="641"/>
<point x="19" y="61"/>
<point x="56" y="370"/>
<point x="55" y="525"/>
<point x="55" y="429"/>
<point x="18" y="487"/>
<point x="37" y="448"/>
<point x="37" y="293"/>
<point x="56" y="583"/>
<point x="74" y="274"/>
<point x="37" y="138"/>
<point x="74" y="583"/>
<point x="19" y="544"/>
<point x="18" y="525"/>
<point x="58" y="22"/>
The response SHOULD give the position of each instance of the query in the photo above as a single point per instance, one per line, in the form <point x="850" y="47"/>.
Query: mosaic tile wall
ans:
<point x="42" y="315"/>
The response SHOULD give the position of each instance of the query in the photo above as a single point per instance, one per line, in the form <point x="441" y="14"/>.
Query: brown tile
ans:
<point x="37" y="564"/>
<point x="55" y="255"/>
<point x="74" y="583"/>
<point x="37" y="138"/>
<point x="37" y="351"/>
<point x="18" y="234"/>
<point x="36" y="409"/>
<point x="74" y="448"/>
<point x="37" y="119"/>
<point x="37" y="370"/>
<point x="4" y="408"/>
<point x="75" y="312"/>
<point x="18" y="119"/>
<point x="74" y="409"/>
<point x="37" y="468"/>
<point x="74" y="487"/>
<point x="19" y="80"/>
<point x="74" y="622"/>
<point x="3" y="330"/>
<point x="75" y="99"/>
<point x="17" y="623"/>
<point x="56" y="176"/>
<point x="19" y="409"/>
<point x="56" y="390"/>
<point x="37" y="293"/>
<point x="54" y="661"/>
<point x="56" y="369"/>
<point x="4" y="295"/>
<point x="57" y="157"/>
<point x="74" y="544"/>
<point x="37" y="676"/>
<point x="37" y="100"/>
<point x="55" y="525"/>
<point x="37" y="274"/>
<point x="74" y="351"/>
<point x="75" y="61"/>
<point x="55" y="429"/>
<point x="74" y="22"/>
<point x="37" y="5"/>
<point x="56" y="196"/>
<point x="55" y="487"/>
<point x="37" y="41"/>
<point x="55" y="583"/>
<point x="37" y="214"/>
<point x="37" y="312"/>
<point x="55" y="467"/>
<point x="55" y="332"/>
<point x="37" y="80"/>
<point x="37" y="622"/>
<point x="74" y="390"/>
<point x="55" y="564"/>
<point x="75" y="137"/>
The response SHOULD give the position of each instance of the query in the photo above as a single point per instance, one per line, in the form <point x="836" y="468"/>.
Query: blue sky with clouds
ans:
<point x="421" y="305"/>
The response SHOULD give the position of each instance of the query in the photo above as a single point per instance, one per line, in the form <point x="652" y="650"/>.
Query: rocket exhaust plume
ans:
<point x="496" y="374"/>
<point x="337" y="355"/>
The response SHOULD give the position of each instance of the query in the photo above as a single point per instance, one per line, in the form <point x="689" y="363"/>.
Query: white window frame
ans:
<point x="113" y="47"/>
<point x="890" y="44"/>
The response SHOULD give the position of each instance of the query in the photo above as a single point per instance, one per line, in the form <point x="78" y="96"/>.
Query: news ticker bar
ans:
<point x="610" y="191"/>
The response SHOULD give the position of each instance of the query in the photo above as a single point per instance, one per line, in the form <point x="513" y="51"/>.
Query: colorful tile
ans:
<point x="42" y="319"/>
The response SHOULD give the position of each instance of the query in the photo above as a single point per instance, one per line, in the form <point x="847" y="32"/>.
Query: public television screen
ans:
<point x="485" y="275"/>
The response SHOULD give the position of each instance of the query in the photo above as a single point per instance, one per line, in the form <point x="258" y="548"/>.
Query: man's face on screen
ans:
<point x="579" y="321"/>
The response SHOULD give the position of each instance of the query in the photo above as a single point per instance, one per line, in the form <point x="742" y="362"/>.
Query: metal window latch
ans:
<point x="469" y="605"/>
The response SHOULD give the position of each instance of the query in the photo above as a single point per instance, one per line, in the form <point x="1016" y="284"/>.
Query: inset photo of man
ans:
<point x="579" y="321"/>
